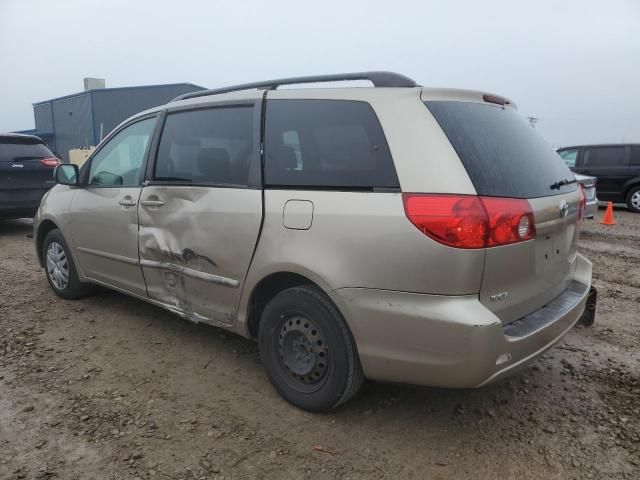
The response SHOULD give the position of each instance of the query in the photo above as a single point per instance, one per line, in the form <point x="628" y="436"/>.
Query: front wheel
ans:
<point x="633" y="199"/>
<point x="308" y="351"/>
<point x="60" y="269"/>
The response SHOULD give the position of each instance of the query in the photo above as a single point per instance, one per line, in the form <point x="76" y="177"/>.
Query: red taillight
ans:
<point x="457" y="221"/>
<point x="583" y="203"/>
<point x="510" y="220"/>
<point x="50" y="162"/>
<point x="468" y="221"/>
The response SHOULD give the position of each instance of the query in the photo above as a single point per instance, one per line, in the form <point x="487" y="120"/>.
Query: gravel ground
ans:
<point x="112" y="388"/>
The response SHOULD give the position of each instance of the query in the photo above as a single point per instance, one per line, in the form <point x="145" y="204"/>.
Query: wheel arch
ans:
<point x="43" y="228"/>
<point x="630" y="185"/>
<point x="267" y="288"/>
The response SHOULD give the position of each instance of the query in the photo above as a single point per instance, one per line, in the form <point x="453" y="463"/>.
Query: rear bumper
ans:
<point x="592" y="208"/>
<point x="20" y="202"/>
<point x="453" y="341"/>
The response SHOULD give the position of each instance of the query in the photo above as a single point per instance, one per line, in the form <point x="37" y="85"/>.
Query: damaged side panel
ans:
<point x="196" y="247"/>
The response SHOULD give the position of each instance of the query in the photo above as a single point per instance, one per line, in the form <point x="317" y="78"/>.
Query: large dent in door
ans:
<point x="196" y="247"/>
<point x="161" y="250"/>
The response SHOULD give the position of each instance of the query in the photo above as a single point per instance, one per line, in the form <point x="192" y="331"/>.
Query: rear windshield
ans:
<point x="14" y="149"/>
<point x="504" y="156"/>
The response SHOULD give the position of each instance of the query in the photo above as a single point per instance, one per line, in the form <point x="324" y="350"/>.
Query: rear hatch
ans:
<point x="505" y="157"/>
<point x="26" y="168"/>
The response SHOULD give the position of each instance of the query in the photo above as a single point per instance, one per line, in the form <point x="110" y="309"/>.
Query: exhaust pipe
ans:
<point x="589" y="314"/>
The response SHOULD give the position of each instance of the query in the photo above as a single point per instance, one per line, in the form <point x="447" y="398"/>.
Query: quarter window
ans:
<point x="569" y="157"/>
<point x="326" y="144"/>
<point x="119" y="162"/>
<point x="208" y="146"/>
<point x="604" y="157"/>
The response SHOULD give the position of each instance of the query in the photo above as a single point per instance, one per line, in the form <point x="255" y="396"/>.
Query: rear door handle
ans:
<point x="127" y="202"/>
<point x="152" y="203"/>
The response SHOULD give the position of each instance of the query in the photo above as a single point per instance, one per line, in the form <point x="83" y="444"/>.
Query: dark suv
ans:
<point x="617" y="167"/>
<point x="26" y="173"/>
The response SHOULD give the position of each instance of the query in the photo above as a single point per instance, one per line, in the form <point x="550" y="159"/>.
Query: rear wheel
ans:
<point x="60" y="270"/>
<point x="307" y="350"/>
<point x="633" y="199"/>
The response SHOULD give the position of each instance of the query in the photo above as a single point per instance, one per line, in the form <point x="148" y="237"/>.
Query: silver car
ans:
<point x="588" y="184"/>
<point x="398" y="233"/>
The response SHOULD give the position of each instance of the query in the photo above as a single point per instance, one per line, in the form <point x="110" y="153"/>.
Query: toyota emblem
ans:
<point x="564" y="208"/>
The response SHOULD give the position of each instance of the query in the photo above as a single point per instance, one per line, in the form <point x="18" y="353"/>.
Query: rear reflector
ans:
<point x="583" y="203"/>
<point x="469" y="221"/>
<point x="50" y="162"/>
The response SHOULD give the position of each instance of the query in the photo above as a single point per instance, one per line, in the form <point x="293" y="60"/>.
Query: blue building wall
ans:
<point x="112" y="106"/>
<point x="76" y="121"/>
<point x="44" y="122"/>
<point x="72" y="123"/>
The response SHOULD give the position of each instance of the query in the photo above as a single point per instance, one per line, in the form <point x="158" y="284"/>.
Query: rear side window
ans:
<point x="12" y="150"/>
<point x="326" y="144"/>
<point x="604" y="157"/>
<point x="209" y="146"/>
<point x="569" y="157"/>
<point x="635" y="155"/>
<point x="503" y="155"/>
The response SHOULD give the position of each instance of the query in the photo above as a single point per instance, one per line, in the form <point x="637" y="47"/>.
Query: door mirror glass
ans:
<point x="67" y="174"/>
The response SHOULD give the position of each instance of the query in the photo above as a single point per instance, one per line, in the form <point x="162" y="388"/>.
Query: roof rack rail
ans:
<point x="379" y="79"/>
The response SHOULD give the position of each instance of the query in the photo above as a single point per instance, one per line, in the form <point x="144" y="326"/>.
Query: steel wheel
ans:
<point x="57" y="266"/>
<point x="307" y="349"/>
<point x="303" y="350"/>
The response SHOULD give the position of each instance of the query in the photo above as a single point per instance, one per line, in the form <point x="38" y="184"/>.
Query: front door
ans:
<point x="104" y="226"/>
<point x="200" y="211"/>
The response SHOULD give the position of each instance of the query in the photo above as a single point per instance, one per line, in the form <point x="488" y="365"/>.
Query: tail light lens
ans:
<point x="50" y="162"/>
<point x="582" y="208"/>
<point x="469" y="221"/>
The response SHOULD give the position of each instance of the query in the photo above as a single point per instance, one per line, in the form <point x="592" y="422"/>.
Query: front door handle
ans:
<point x="152" y="203"/>
<point x="127" y="202"/>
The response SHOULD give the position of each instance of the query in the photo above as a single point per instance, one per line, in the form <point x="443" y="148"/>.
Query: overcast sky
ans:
<point x="575" y="64"/>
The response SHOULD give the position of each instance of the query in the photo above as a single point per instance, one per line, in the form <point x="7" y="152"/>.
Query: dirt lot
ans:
<point x="112" y="388"/>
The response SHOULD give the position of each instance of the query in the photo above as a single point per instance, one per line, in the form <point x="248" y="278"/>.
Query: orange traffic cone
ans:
<point x="608" y="215"/>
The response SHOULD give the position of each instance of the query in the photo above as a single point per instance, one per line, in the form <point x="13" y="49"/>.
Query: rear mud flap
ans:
<point x="589" y="315"/>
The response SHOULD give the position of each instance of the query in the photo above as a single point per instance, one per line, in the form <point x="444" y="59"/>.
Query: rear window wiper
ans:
<point x="561" y="183"/>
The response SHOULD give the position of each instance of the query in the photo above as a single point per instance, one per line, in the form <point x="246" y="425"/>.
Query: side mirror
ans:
<point x="67" y="174"/>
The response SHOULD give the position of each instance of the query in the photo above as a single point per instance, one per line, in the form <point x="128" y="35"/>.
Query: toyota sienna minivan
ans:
<point x="398" y="233"/>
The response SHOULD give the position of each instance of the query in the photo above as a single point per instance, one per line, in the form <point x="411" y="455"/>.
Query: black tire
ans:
<point x="308" y="351"/>
<point x="73" y="288"/>
<point x="633" y="197"/>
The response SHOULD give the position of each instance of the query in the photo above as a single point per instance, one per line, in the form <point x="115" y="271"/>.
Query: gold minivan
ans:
<point x="393" y="232"/>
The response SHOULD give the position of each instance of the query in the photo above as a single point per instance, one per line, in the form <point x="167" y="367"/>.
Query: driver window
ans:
<point x="119" y="162"/>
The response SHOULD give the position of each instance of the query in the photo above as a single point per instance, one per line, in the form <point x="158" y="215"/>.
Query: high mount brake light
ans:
<point x="50" y="162"/>
<point x="469" y="221"/>
<point x="487" y="97"/>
